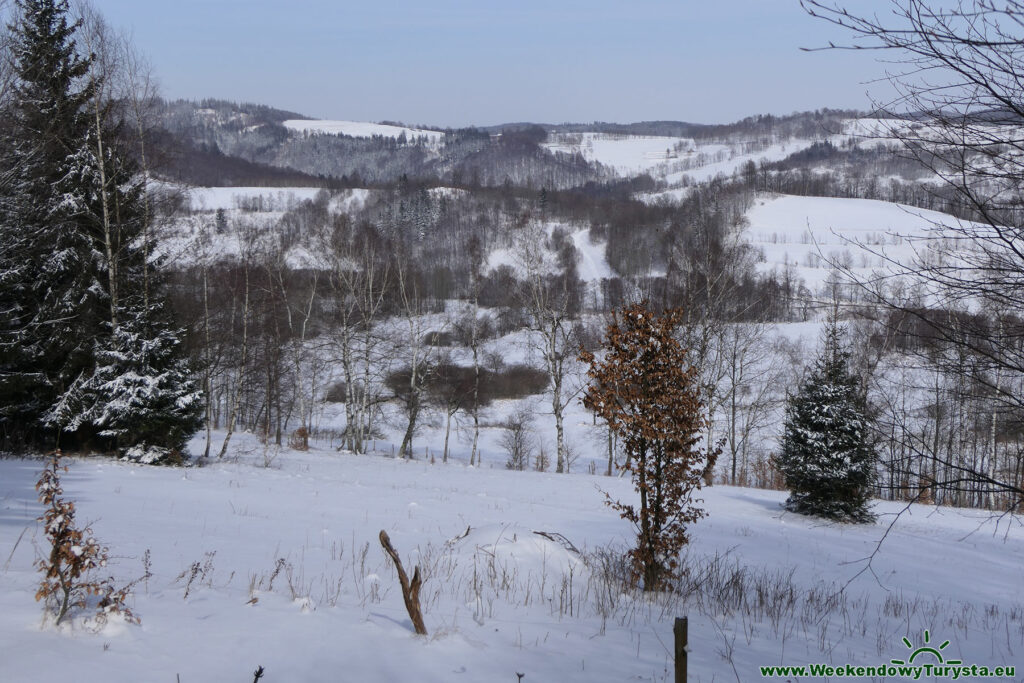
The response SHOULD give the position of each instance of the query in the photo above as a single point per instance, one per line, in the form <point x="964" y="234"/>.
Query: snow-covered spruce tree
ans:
<point x="89" y="358"/>
<point x="50" y="292"/>
<point x="650" y="396"/>
<point x="827" y="457"/>
<point x="141" y="395"/>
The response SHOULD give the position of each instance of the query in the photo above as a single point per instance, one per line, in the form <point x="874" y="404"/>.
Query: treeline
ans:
<point x="188" y="163"/>
<point x="947" y="431"/>
<point x="884" y="171"/>
<point x="810" y="124"/>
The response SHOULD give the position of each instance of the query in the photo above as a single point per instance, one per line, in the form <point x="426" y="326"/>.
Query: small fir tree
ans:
<point x="827" y="457"/>
<point x="649" y="395"/>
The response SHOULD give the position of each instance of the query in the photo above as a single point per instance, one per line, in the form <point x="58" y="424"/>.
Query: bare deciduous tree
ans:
<point x="359" y="279"/>
<point x="959" y="112"/>
<point x="550" y="296"/>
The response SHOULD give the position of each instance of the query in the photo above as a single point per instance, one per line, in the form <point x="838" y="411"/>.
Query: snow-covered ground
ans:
<point x="864" y="235"/>
<point x="671" y="159"/>
<point x="728" y="159"/>
<point x="280" y="566"/>
<point x="361" y="129"/>
<point x="255" y="198"/>
<point x="590" y="255"/>
<point x="626" y="154"/>
<point x="675" y="160"/>
<point x="252" y="218"/>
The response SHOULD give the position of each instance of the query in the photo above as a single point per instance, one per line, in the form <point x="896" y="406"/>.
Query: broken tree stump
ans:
<point x="410" y="591"/>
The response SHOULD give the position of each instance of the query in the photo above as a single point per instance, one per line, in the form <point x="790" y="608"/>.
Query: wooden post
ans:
<point x="680" y="631"/>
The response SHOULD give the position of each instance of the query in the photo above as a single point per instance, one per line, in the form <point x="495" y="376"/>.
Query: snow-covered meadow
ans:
<point x="862" y="236"/>
<point x="674" y="160"/>
<point x="271" y="558"/>
<point x="626" y="154"/>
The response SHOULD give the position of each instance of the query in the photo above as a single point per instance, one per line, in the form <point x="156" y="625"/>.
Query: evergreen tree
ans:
<point x="827" y="457"/>
<point x="88" y="357"/>
<point x="50" y="290"/>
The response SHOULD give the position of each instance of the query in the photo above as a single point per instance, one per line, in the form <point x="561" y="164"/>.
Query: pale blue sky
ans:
<point x="461" y="62"/>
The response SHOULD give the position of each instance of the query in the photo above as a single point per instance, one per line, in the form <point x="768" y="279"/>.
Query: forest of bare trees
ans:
<point x="400" y="318"/>
<point x="394" y="291"/>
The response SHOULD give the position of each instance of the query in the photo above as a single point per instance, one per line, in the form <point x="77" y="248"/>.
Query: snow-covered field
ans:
<point x="671" y="159"/>
<point x="255" y="198"/>
<point x="361" y="129"/>
<point x="727" y="160"/>
<point x="280" y="566"/>
<point x="626" y="154"/>
<point x="863" y="235"/>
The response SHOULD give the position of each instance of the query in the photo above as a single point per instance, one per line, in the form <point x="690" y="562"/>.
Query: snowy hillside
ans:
<point x="254" y="198"/>
<point x="627" y="154"/>
<point x="361" y="129"/>
<point x="280" y="567"/>
<point x="806" y="233"/>
<point x="714" y="160"/>
<point x="590" y="256"/>
<point x="250" y="217"/>
<point x="676" y="160"/>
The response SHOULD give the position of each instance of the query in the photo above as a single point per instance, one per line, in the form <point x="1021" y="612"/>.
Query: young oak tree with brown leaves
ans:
<point x="649" y="395"/>
<point x="74" y="555"/>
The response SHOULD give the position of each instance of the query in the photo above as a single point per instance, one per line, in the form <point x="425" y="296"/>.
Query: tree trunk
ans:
<point x="474" y="455"/>
<point x="611" y="450"/>
<point x="241" y="371"/>
<point x="108" y="238"/>
<point x="447" y="431"/>
<point x="207" y="376"/>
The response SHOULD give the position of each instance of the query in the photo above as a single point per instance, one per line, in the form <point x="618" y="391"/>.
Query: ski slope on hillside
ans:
<point x="279" y="566"/>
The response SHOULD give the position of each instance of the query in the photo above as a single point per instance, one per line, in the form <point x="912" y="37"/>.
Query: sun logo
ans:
<point x="926" y="648"/>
